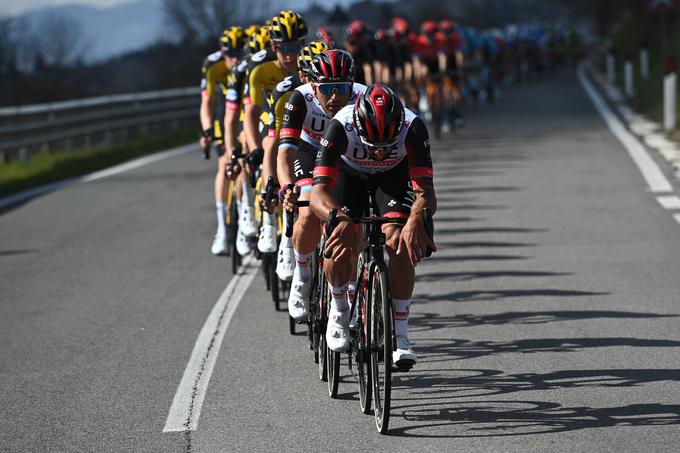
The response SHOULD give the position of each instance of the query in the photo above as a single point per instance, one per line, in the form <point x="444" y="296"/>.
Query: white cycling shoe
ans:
<point x="297" y="299"/>
<point x="219" y="245"/>
<point x="285" y="263"/>
<point x="337" y="330"/>
<point x="243" y="246"/>
<point x="266" y="243"/>
<point x="404" y="357"/>
<point x="246" y="223"/>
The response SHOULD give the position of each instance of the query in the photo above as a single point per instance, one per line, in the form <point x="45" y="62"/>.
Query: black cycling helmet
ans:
<point x="307" y="53"/>
<point x="379" y="116"/>
<point x="334" y="65"/>
<point x="288" y="26"/>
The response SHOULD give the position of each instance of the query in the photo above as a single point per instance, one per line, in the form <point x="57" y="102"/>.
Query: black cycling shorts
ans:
<point x="392" y="191"/>
<point x="303" y="166"/>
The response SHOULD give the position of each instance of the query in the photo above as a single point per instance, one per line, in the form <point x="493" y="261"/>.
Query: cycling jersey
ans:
<point x="280" y="96"/>
<point x="305" y="119"/>
<point x="264" y="74"/>
<point x="302" y="127"/>
<point x="341" y="141"/>
<point x="215" y="74"/>
<point x="235" y="85"/>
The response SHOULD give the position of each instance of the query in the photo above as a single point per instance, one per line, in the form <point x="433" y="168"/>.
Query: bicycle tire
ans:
<point x="323" y="316"/>
<point x="382" y="345"/>
<point x="363" y="342"/>
<point x="333" y="360"/>
<point x="232" y="234"/>
<point x="274" y="281"/>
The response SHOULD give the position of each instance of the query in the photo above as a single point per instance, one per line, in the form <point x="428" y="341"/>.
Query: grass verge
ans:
<point x="47" y="168"/>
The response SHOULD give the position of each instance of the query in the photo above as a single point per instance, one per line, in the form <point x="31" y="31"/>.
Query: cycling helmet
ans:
<point x="380" y="34"/>
<point x="379" y="116"/>
<point x="334" y="65"/>
<point x="445" y="26"/>
<point x="400" y="26"/>
<point x="428" y="27"/>
<point x="326" y="35"/>
<point x="232" y="39"/>
<point x="288" y="26"/>
<point x="307" y="53"/>
<point x="251" y="30"/>
<point x="259" y="41"/>
<point x="355" y="31"/>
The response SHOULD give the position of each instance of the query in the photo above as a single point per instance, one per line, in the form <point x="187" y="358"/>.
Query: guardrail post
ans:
<point x="644" y="63"/>
<point x="628" y="77"/>
<point x="611" y="73"/>
<point x="670" y="101"/>
<point x="24" y="155"/>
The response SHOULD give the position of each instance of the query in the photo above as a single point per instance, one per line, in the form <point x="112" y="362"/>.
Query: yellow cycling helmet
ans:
<point x="288" y="26"/>
<point x="259" y="41"/>
<point x="251" y="30"/>
<point x="307" y="52"/>
<point x="232" y="39"/>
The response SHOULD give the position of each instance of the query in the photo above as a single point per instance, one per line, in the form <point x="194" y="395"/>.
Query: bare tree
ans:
<point x="57" y="41"/>
<point x="7" y="46"/>
<point x="198" y="21"/>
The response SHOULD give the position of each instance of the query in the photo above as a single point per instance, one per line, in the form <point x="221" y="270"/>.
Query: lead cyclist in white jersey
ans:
<point x="308" y="111"/>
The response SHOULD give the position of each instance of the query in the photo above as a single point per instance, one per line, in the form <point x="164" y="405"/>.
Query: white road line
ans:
<point x="28" y="194"/>
<point x="669" y="201"/>
<point x="653" y="175"/>
<point x="676" y="217"/>
<point x="186" y="407"/>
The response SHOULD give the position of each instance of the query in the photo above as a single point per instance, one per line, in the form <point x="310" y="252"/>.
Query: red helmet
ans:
<point x="333" y="65"/>
<point x="379" y="116"/>
<point x="428" y="27"/>
<point x="400" y="25"/>
<point x="355" y="31"/>
<point x="380" y="34"/>
<point x="325" y="34"/>
<point x="446" y="26"/>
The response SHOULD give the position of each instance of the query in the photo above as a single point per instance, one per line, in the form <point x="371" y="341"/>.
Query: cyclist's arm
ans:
<point x="293" y="117"/>
<point x="420" y="168"/>
<point x="233" y="110"/>
<point x="333" y="145"/>
<point x="253" y="107"/>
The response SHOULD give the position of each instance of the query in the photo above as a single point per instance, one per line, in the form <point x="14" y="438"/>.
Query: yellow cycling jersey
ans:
<point x="263" y="79"/>
<point x="215" y="74"/>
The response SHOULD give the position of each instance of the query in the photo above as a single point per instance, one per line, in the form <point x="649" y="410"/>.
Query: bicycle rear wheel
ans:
<point x="333" y="360"/>
<point x="382" y="345"/>
<point x="322" y="317"/>
<point x="232" y="232"/>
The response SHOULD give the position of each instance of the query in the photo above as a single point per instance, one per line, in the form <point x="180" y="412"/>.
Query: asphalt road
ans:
<point x="549" y="320"/>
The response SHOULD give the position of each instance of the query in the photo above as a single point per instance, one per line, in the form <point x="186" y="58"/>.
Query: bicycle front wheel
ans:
<point x="382" y="345"/>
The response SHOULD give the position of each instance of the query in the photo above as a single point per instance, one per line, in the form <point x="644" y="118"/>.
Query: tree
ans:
<point x="58" y="41"/>
<point x="199" y="21"/>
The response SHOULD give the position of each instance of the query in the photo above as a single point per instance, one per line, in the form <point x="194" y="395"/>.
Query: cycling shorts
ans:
<point x="392" y="191"/>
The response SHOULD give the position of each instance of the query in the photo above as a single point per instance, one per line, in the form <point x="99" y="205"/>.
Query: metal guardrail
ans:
<point x="99" y="121"/>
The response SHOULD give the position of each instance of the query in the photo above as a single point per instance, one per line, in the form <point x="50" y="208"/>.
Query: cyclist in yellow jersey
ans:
<point x="287" y="33"/>
<point x="216" y="70"/>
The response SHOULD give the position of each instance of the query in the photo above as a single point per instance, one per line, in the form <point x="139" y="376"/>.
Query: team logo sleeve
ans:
<point x="418" y="152"/>
<point x="333" y="145"/>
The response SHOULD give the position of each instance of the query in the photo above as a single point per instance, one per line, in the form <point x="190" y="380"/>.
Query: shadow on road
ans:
<point x="492" y="295"/>
<point x="437" y="403"/>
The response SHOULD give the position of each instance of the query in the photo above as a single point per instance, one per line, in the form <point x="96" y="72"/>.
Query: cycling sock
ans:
<point x="270" y="219"/>
<point x="351" y="290"/>
<point x="303" y="270"/>
<point x="339" y="296"/>
<point x="402" y="307"/>
<point x="221" y="219"/>
<point x="245" y="197"/>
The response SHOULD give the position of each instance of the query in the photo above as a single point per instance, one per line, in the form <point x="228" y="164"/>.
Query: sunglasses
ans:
<point x="288" y="48"/>
<point x="379" y="146"/>
<point x="327" y="89"/>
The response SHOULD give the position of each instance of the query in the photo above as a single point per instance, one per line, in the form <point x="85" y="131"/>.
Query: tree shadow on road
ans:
<point x="492" y="295"/>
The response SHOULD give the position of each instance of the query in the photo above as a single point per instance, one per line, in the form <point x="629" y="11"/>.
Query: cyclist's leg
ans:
<point x="394" y="198"/>
<point x="267" y="241"/>
<point x="219" y="245"/>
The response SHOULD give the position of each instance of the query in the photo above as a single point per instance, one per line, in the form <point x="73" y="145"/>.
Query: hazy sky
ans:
<point x="14" y="7"/>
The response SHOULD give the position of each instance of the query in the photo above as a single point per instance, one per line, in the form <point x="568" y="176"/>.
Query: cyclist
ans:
<point x="285" y="263"/>
<point x="310" y="109"/>
<point x="217" y="69"/>
<point x="451" y="60"/>
<point x="236" y="99"/>
<point x="357" y="43"/>
<point x="287" y="33"/>
<point x="380" y="146"/>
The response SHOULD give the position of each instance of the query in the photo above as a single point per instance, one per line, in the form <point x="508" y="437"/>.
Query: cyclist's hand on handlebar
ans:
<point x="341" y="242"/>
<point x="414" y="240"/>
<point x="204" y="141"/>
<point x="289" y="197"/>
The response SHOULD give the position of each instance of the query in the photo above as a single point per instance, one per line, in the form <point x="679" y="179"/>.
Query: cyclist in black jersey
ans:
<point x="380" y="146"/>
